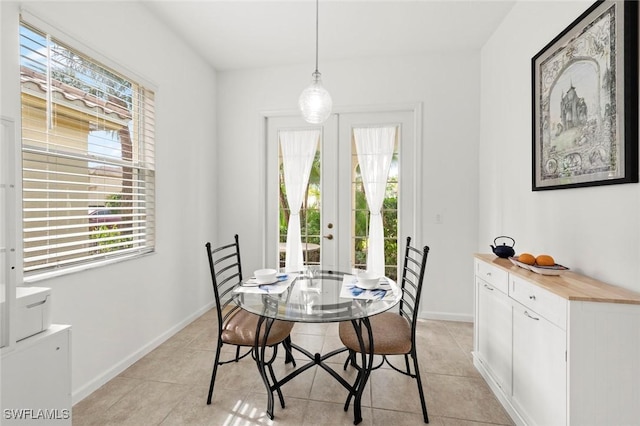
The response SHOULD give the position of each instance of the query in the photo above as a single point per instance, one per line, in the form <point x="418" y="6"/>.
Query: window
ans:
<point x="87" y="158"/>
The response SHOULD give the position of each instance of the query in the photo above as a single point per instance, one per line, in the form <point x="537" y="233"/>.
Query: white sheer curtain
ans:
<point x="298" y="150"/>
<point x="374" y="146"/>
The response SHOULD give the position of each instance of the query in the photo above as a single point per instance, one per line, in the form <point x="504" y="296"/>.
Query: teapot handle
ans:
<point x="504" y="236"/>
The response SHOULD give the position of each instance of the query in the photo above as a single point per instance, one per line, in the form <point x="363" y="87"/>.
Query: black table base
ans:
<point x="273" y="385"/>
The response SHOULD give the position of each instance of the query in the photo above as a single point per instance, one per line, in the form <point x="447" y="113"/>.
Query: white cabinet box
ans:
<point x="493" y="311"/>
<point x="33" y="311"/>
<point x="36" y="380"/>
<point x="557" y="350"/>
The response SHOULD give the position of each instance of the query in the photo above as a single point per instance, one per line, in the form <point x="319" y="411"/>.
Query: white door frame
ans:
<point x="411" y="173"/>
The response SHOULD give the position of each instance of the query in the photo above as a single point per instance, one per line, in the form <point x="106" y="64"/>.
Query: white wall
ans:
<point x="592" y="230"/>
<point x="448" y="87"/>
<point x="119" y="312"/>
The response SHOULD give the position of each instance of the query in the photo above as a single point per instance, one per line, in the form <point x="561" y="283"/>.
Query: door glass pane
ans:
<point x="361" y="214"/>
<point x="309" y="213"/>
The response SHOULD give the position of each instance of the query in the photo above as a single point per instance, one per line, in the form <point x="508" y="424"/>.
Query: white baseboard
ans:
<point x="86" y="390"/>
<point x="446" y="316"/>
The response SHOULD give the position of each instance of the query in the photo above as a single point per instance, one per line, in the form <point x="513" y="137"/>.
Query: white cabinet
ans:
<point x="557" y="350"/>
<point x="493" y="310"/>
<point x="35" y="372"/>
<point x="539" y="353"/>
<point x="36" y="379"/>
<point x="8" y="227"/>
<point x="539" y="368"/>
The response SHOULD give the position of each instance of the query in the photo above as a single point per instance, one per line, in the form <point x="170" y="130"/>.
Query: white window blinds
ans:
<point x="88" y="169"/>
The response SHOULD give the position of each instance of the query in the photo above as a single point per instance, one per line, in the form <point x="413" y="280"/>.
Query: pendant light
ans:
<point x="315" y="102"/>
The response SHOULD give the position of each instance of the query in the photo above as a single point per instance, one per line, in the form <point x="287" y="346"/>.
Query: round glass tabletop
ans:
<point x="321" y="296"/>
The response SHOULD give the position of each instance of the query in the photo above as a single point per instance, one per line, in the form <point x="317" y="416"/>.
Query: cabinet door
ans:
<point x="494" y="333"/>
<point x="36" y="380"/>
<point x="539" y="368"/>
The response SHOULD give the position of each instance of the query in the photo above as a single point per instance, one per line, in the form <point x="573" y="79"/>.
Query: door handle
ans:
<point x="328" y="237"/>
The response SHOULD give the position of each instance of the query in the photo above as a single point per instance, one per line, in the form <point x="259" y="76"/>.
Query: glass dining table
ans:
<point x="318" y="296"/>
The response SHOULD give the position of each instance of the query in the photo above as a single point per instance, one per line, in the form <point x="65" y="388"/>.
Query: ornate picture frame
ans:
<point x="585" y="101"/>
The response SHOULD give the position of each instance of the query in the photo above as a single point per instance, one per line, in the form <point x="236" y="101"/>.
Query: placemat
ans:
<point x="350" y="290"/>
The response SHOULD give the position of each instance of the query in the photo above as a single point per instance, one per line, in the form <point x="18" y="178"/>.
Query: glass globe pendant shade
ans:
<point x="315" y="101"/>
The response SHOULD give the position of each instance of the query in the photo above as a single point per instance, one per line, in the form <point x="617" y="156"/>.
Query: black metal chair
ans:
<point x="395" y="333"/>
<point x="236" y="326"/>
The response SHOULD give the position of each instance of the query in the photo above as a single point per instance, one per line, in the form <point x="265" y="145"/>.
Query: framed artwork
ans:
<point x="585" y="101"/>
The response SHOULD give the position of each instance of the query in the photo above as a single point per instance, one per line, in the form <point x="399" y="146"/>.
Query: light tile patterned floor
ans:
<point x="169" y="386"/>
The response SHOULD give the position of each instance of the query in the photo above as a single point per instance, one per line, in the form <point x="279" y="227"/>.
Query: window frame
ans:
<point x="150" y="227"/>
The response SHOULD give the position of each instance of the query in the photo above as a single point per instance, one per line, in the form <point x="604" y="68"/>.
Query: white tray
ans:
<point x="542" y="270"/>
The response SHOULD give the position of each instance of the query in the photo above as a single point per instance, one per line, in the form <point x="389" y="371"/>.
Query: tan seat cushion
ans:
<point x="240" y="329"/>
<point x="391" y="334"/>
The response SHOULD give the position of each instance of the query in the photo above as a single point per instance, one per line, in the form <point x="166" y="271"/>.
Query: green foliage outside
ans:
<point x="114" y="202"/>
<point x="310" y="226"/>
<point x="109" y="236"/>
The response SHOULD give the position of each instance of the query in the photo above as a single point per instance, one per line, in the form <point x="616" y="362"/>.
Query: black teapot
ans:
<point x="504" y="250"/>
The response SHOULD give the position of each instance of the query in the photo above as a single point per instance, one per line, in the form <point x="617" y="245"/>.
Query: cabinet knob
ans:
<point x="532" y="297"/>
<point x="488" y="274"/>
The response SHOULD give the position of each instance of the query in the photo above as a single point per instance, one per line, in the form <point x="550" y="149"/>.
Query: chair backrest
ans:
<point x="226" y="274"/>
<point x="415" y="262"/>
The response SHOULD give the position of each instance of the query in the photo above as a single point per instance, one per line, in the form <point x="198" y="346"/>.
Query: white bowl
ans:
<point x="368" y="280"/>
<point x="265" y="276"/>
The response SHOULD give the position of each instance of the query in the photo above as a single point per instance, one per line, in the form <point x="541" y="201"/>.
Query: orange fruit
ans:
<point x="545" y="260"/>
<point x="527" y="258"/>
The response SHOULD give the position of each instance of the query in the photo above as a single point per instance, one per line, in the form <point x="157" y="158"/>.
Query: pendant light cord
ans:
<point x="314" y="101"/>
<point x="317" y="35"/>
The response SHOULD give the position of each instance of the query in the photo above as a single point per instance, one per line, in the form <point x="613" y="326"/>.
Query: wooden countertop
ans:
<point x="569" y="285"/>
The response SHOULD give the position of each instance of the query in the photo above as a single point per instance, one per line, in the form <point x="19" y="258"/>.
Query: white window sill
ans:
<point x="65" y="271"/>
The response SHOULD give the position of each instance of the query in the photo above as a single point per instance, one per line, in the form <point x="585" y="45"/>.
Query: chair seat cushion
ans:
<point x="240" y="329"/>
<point x="391" y="335"/>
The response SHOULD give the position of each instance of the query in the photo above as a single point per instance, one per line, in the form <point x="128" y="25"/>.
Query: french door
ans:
<point x="334" y="217"/>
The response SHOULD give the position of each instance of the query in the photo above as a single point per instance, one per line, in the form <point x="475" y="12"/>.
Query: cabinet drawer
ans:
<point x="539" y="300"/>
<point x="495" y="276"/>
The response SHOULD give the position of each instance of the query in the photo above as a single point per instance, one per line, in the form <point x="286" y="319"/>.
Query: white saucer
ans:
<point x="357" y="284"/>
<point x="251" y="282"/>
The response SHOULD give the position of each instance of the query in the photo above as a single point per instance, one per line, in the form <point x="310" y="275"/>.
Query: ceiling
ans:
<point x="239" y="34"/>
